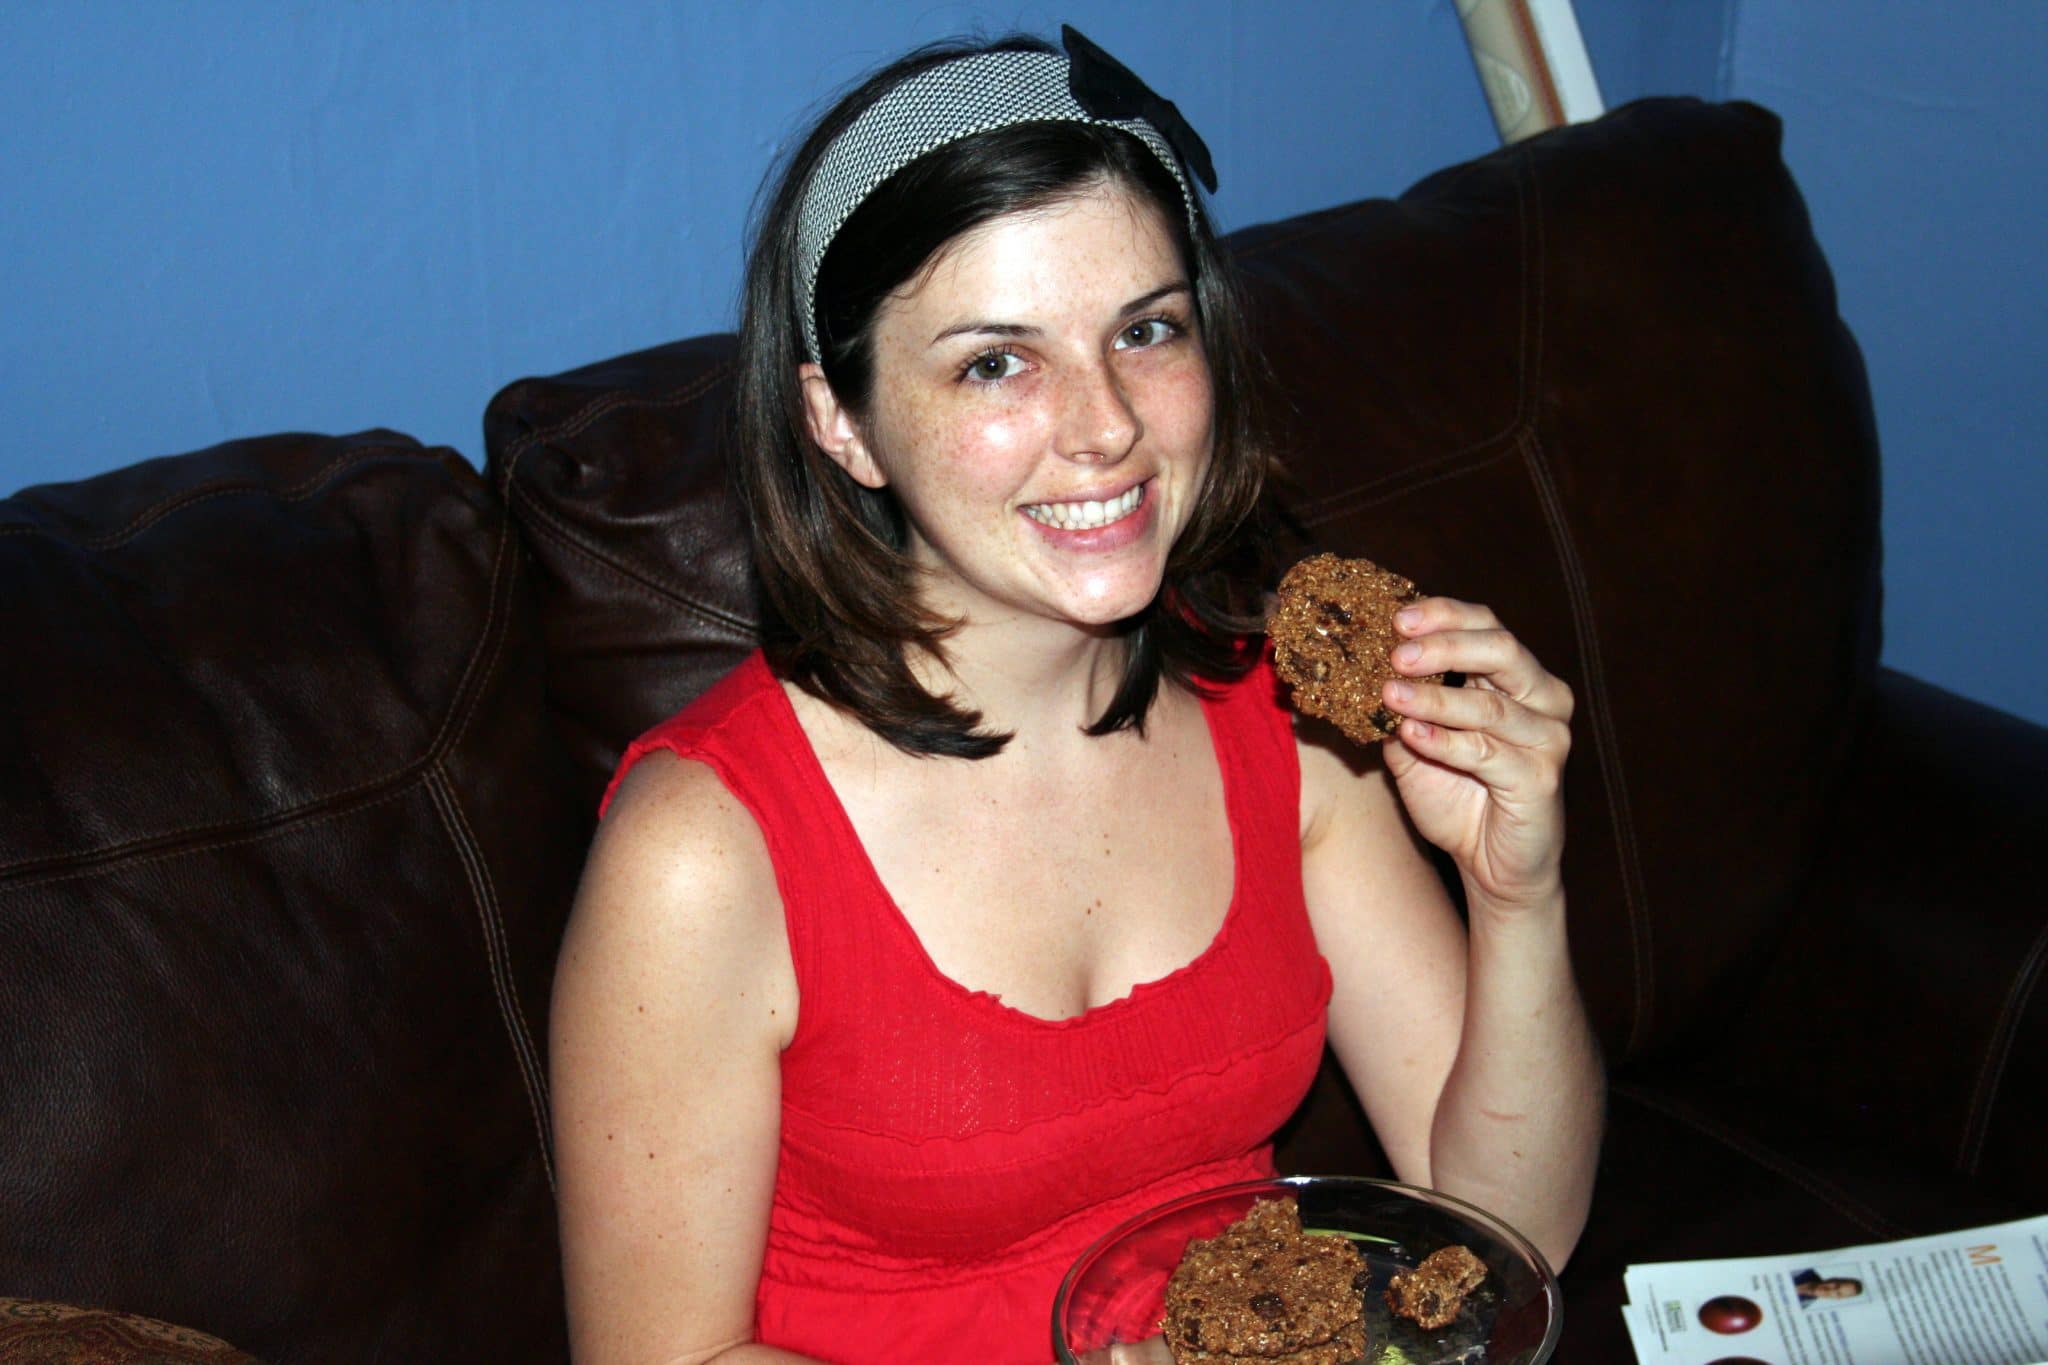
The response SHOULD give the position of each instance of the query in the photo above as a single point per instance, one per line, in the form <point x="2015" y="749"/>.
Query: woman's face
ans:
<point x="1041" y="409"/>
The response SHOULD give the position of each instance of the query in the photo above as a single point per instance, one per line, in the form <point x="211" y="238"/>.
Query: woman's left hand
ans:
<point x="1480" y="768"/>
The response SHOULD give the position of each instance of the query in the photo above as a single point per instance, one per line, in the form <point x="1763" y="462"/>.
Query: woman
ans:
<point x="997" y="900"/>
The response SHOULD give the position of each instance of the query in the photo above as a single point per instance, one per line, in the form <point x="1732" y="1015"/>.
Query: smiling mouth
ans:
<point x="1089" y="515"/>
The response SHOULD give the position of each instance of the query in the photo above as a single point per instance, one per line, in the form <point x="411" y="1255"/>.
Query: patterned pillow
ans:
<point x="33" y="1332"/>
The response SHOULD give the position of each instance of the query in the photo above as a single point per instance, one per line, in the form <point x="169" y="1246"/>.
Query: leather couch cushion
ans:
<point x="616" y="474"/>
<point x="284" y="858"/>
<point x="1597" y="381"/>
<point x="1679" y="1182"/>
<point x="1905" y="1003"/>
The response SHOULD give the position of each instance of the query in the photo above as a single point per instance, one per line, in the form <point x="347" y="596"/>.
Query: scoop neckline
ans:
<point x="1226" y="763"/>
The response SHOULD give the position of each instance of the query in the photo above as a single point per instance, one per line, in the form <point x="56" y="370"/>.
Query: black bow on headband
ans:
<point x="1108" y="89"/>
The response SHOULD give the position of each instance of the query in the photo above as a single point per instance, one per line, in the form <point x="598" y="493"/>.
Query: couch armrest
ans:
<point x="1903" y="1011"/>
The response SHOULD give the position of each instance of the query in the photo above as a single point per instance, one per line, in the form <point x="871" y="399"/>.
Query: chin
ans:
<point x="1113" y="617"/>
<point x="1120" y="603"/>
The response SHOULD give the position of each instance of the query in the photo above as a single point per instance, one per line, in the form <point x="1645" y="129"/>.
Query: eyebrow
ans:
<point x="1018" y="329"/>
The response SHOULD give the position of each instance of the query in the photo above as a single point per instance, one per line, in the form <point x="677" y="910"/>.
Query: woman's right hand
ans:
<point x="674" y="997"/>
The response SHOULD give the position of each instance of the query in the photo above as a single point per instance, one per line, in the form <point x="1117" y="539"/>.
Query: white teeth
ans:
<point x="1088" y="515"/>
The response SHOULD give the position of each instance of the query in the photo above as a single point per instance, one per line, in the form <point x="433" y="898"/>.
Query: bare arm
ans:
<point x="1517" y="1129"/>
<point x="673" y="998"/>
<point x="1471" y="1054"/>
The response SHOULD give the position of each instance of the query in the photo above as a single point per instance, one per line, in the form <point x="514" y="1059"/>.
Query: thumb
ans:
<point x="1399" y="758"/>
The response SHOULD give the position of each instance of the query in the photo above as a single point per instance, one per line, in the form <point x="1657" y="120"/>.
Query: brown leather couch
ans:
<point x="303" y="735"/>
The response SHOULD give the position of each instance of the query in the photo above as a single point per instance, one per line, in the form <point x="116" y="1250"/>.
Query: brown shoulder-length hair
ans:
<point x="842" y="608"/>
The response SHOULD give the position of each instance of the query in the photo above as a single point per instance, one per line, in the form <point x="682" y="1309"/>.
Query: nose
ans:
<point x="1098" y="424"/>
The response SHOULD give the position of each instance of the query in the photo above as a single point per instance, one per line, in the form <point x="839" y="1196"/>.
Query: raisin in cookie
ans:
<point x="1333" y="634"/>
<point x="1431" y="1294"/>
<point x="1263" y="1290"/>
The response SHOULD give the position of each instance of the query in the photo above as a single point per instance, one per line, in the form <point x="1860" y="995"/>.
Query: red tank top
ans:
<point x="944" y="1157"/>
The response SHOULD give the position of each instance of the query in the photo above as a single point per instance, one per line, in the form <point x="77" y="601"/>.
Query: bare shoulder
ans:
<point x="679" y="889"/>
<point x="675" y="818"/>
<point x="1361" y="858"/>
<point x="1345" y="790"/>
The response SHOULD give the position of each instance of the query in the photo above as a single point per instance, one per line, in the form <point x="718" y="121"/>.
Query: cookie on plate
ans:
<point x="1431" y="1294"/>
<point x="1262" y="1290"/>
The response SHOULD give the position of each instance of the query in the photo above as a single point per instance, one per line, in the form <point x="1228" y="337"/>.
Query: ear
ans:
<point x="833" y="427"/>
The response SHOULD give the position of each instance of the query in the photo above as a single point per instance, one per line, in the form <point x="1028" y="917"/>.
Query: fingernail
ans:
<point x="1408" y="618"/>
<point x="1407" y="654"/>
<point x="1399" y="691"/>
<point x="1415" y="729"/>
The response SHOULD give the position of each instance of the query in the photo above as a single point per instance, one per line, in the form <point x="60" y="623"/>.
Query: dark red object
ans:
<point x="1730" y="1314"/>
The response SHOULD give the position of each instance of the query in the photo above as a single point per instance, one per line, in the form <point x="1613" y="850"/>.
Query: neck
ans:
<point x="1036" y="680"/>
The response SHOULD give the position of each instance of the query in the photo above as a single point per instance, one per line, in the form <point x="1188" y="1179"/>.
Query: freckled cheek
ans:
<point x="999" y="434"/>
<point x="1182" y="410"/>
<point x="978" y="460"/>
<point x="991" y="451"/>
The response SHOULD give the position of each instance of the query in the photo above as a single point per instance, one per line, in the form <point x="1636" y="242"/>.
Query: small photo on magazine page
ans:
<point x="1838" y="1285"/>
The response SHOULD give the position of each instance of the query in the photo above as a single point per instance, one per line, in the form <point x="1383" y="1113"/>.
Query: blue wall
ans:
<point x="229" y="218"/>
<point x="331" y="216"/>
<point x="1916" y="129"/>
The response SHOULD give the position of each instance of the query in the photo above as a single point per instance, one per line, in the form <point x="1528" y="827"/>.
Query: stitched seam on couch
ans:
<point x="497" y="954"/>
<point x="174" y="842"/>
<point x="1281" y="241"/>
<point x="149" y="517"/>
<point x="197" y="838"/>
<point x="575" y="423"/>
<point x="1607" y="739"/>
<point x="541" y="519"/>
<point x="456" y="723"/>
<point x="1363" y="497"/>
<point x="1819" y="1186"/>
<point x="545" y="523"/>
<point x="1437" y="468"/>
<point x="1454" y="463"/>
<point x="1990" y="1076"/>
<point x="1309" y="225"/>
<point x="70" y="866"/>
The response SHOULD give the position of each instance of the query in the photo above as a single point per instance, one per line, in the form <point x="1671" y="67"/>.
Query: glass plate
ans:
<point x="1111" y="1302"/>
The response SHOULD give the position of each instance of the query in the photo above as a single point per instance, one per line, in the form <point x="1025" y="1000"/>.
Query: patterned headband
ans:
<point x="977" y="95"/>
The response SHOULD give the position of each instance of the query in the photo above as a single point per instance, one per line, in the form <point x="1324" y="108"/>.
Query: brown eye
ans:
<point x="1150" y="332"/>
<point x="991" y="366"/>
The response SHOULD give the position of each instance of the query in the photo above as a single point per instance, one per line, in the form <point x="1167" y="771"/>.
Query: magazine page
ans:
<point x="1974" y="1297"/>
